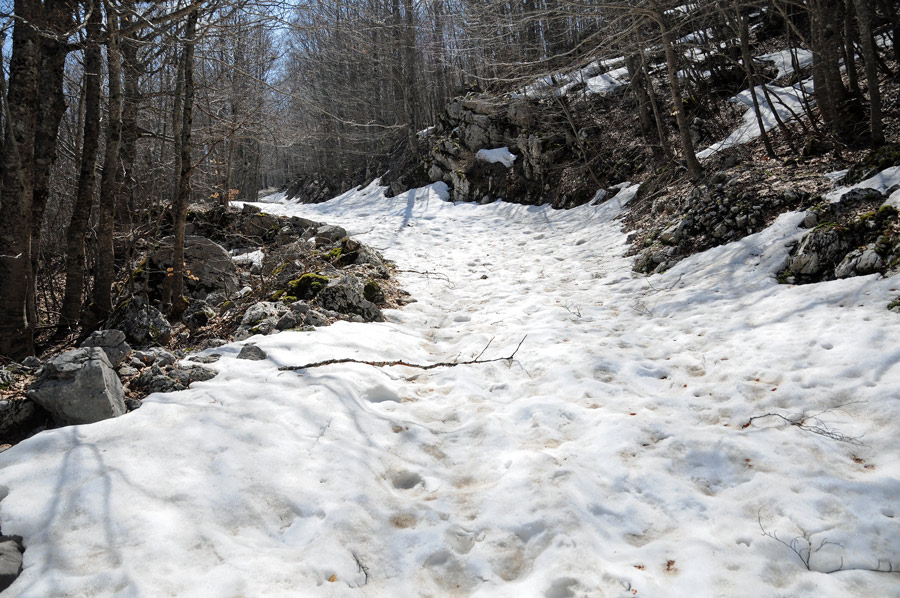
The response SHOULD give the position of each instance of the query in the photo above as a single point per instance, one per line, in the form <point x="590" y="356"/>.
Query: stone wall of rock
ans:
<point x="549" y="165"/>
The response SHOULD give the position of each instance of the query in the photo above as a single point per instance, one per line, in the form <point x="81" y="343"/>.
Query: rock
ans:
<point x="819" y="250"/>
<point x="345" y="295"/>
<point x="289" y="320"/>
<point x="859" y="262"/>
<point x="372" y="292"/>
<point x="79" y="387"/>
<point x="316" y="318"/>
<point x="19" y="419"/>
<point x="260" y="318"/>
<point x="112" y="342"/>
<point x="187" y="376"/>
<point x="32" y="362"/>
<point x="210" y="267"/>
<point x="11" y="550"/>
<point x="331" y="233"/>
<point x="132" y="404"/>
<point x="300" y="307"/>
<point x="248" y="209"/>
<point x="126" y="371"/>
<point x="142" y="323"/>
<point x="197" y="315"/>
<point x="156" y="356"/>
<point x="252" y="352"/>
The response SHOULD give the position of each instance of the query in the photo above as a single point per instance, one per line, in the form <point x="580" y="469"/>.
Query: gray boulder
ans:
<point x="210" y="265"/>
<point x="11" y="550"/>
<point x="331" y="233"/>
<point x="155" y="356"/>
<point x="79" y="387"/>
<point x="260" y="318"/>
<point x="819" y="250"/>
<point x="252" y="352"/>
<point x="20" y="418"/>
<point x="346" y="295"/>
<point x="142" y="324"/>
<point x="860" y="262"/>
<point x="112" y="342"/>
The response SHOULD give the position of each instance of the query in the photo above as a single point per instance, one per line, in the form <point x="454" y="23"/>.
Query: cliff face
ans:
<point x="520" y="150"/>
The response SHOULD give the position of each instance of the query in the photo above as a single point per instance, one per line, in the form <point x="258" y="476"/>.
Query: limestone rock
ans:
<point x="112" y="342"/>
<point x="252" y="352"/>
<point x="79" y="387"/>
<point x="859" y="262"/>
<point x="142" y="324"/>
<point x="345" y="295"/>
<point x="11" y="550"/>
<point x="819" y="250"/>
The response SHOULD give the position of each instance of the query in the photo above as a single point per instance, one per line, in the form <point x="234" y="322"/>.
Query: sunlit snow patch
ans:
<point x="500" y="155"/>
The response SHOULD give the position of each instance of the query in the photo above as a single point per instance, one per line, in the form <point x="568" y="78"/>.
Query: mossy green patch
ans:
<point x="307" y="286"/>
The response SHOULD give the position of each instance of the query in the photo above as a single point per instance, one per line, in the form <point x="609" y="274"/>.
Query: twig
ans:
<point x="811" y="423"/>
<point x="361" y="568"/>
<point x="381" y="364"/>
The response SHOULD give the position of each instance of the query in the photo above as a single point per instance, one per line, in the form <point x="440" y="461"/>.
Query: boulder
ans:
<point x="155" y="356"/>
<point x="260" y="318"/>
<point x="11" y="550"/>
<point x="252" y="352"/>
<point x="112" y="342"/>
<point x="197" y="315"/>
<point x="346" y="295"/>
<point x="860" y="262"/>
<point x="820" y="249"/>
<point x="79" y="387"/>
<point x="19" y="419"/>
<point x="331" y="233"/>
<point x="208" y="268"/>
<point x="142" y="324"/>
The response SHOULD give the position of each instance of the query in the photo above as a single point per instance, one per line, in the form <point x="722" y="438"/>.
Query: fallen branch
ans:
<point x="811" y="423"/>
<point x="381" y="364"/>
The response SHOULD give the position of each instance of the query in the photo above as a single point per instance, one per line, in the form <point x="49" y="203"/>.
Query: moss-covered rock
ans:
<point x="372" y="292"/>
<point x="307" y="286"/>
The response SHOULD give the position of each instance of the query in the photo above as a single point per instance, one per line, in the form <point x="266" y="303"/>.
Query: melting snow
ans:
<point x="609" y="458"/>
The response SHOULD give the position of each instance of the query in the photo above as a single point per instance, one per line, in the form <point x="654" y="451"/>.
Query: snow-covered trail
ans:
<point x="608" y="459"/>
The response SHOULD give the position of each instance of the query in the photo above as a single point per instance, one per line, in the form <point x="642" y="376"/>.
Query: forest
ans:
<point x="118" y="116"/>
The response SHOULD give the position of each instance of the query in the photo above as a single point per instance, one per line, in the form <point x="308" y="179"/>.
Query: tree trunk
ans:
<point x="687" y="144"/>
<point x="130" y="133"/>
<point x="864" y="18"/>
<point x="825" y="36"/>
<point x="747" y="59"/>
<point x="70" y="313"/>
<point x="16" y="334"/>
<point x="51" y="108"/>
<point x="104" y="274"/>
<point x="184" y="182"/>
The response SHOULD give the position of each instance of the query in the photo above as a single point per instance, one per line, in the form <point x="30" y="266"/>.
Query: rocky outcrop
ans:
<point x="79" y="387"/>
<point x="854" y="236"/>
<point x="551" y="162"/>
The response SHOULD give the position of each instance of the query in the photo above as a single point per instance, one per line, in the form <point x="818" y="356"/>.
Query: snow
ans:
<point x="882" y="182"/>
<point x="500" y="155"/>
<point x="784" y="61"/>
<point x="251" y="258"/>
<point x="610" y="457"/>
<point x="788" y="102"/>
